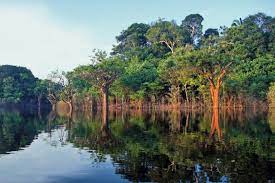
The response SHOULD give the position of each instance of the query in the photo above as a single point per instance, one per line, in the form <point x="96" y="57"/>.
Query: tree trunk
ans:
<point x="186" y="94"/>
<point x="39" y="101"/>
<point x="214" y="90"/>
<point x="186" y="122"/>
<point x="54" y="107"/>
<point x="175" y="96"/>
<point x="116" y="102"/>
<point x="94" y="104"/>
<point x="105" y="106"/>
<point x="39" y="106"/>
<point x="122" y="102"/>
<point x="70" y="107"/>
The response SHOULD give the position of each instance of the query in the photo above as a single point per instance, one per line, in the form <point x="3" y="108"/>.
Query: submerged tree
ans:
<point x="55" y="85"/>
<point x="101" y="75"/>
<point x="212" y="62"/>
<point x="41" y="91"/>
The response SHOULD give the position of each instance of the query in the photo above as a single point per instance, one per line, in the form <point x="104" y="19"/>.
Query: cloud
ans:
<point x="30" y="37"/>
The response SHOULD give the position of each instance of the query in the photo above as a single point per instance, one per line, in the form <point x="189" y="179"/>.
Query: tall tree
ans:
<point x="132" y="38"/>
<point x="41" y="91"/>
<point x="193" y="23"/>
<point x="213" y="62"/>
<point x="168" y="33"/>
<point x="177" y="73"/>
<point x="250" y="37"/>
<point x="102" y="75"/>
<point x="57" y="82"/>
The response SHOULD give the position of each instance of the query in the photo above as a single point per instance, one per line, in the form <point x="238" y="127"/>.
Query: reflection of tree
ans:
<point x="94" y="134"/>
<point x="175" y="120"/>
<point x="58" y="123"/>
<point x="187" y="121"/>
<point x="152" y="148"/>
<point x="18" y="129"/>
<point x="144" y="149"/>
<point x="215" y="124"/>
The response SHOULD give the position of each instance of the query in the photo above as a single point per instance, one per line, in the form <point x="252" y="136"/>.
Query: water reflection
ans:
<point x="18" y="129"/>
<point x="156" y="146"/>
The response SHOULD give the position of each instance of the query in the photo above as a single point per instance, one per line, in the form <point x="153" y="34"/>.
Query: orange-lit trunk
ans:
<point x="214" y="90"/>
<point x="70" y="107"/>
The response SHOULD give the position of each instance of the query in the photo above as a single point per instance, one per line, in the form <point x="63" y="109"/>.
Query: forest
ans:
<point x="163" y="64"/>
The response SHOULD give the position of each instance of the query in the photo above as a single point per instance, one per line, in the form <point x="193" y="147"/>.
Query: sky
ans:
<point x="45" y="35"/>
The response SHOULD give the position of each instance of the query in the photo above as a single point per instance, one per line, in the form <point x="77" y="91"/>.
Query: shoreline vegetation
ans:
<point x="163" y="65"/>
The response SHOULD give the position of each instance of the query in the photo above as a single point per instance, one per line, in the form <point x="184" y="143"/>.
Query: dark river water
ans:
<point x="136" y="146"/>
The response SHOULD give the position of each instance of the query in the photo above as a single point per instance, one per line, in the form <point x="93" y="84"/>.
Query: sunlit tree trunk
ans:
<point x="215" y="84"/>
<point x="214" y="90"/>
<point x="70" y="106"/>
<point x="52" y="99"/>
<point x="53" y="104"/>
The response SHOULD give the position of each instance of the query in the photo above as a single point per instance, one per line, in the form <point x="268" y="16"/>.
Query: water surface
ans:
<point x="136" y="146"/>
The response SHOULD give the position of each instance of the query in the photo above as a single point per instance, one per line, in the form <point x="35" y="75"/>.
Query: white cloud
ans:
<point x="30" y="37"/>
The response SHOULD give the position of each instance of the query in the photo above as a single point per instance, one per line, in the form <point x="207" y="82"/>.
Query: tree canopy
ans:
<point x="16" y="84"/>
<point x="161" y="60"/>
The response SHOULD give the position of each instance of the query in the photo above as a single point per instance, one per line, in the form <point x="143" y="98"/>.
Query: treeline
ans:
<point x="172" y="65"/>
<point x="17" y="85"/>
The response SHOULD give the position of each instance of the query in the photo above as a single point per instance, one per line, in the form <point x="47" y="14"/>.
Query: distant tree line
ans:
<point x="16" y="84"/>
<point x="165" y="64"/>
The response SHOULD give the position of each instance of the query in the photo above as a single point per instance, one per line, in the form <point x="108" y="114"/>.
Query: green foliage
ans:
<point x="151" y="60"/>
<point x="103" y="73"/>
<point x="131" y="39"/>
<point x="250" y="38"/>
<point x="212" y="59"/>
<point x="41" y="88"/>
<point x="138" y="73"/>
<point x="16" y="84"/>
<point x="169" y="34"/>
<point x="252" y="77"/>
<point x="193" y="24"/>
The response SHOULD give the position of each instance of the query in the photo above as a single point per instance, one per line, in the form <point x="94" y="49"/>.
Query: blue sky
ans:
<point x="45" y="35"/>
